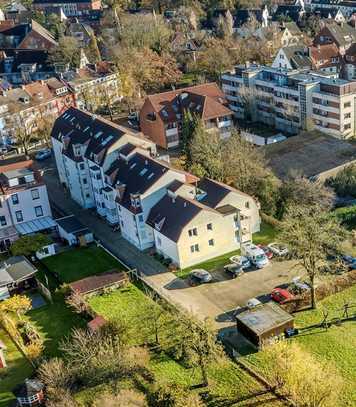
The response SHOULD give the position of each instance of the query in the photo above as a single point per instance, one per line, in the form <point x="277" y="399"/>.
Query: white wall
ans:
<point x="57" y="150"/>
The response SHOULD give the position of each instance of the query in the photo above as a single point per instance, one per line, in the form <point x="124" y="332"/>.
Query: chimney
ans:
<point x="121" y="190"/>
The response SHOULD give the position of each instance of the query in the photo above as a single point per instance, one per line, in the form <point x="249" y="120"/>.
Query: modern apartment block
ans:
<point x="152" y="203"/>
<point x="24" y="205"/>
<point x="292" y="100"/>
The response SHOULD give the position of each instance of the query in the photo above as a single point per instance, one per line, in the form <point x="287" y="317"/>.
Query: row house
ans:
<point x="292" y="100"/>
<point x="162" y="114"/>
<point x="30" y="107"/>
<point x="346" y="7"/>
<point x="94" y="85"/>
<point x="71" y="8"/>
<point x="24" y="205"/>
<point x="185" y="219"/>
<point x="84" y="147"/>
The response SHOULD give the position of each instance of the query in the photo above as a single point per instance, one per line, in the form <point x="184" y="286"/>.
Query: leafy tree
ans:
<point x="18" y="304"/>
<point x="29" y="244"/>
<point x="197" y="345"/>
<point x="312" y="235"/>
<point x="44" y="125"/>
<point x="92" y="50"/>
<point x="205" y="153"/>
<point x="344" y="183"/>
<point x="188" y="127"/>
<point x="301" y="377"/>
<point x="67" y="52"/>
<point x="302" y="190"/>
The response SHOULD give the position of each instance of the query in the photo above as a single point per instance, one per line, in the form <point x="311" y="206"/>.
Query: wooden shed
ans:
<point x="263" y="323"/>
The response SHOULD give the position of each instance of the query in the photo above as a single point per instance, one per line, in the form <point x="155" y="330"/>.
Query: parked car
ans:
<point x="200" y="276"/>
<point x="350" y="262"/>
<point x="268" y="252"/>
<point x="256" y="255"/>
<point x="253" y="302"/>
<point x="241" y="260"/>
<point x="281" y="295"/>
<point x="278" y="249"/>
<point x="236" y="270"/>
<point x="299" y="286"/>
<point x="43" y="154"/>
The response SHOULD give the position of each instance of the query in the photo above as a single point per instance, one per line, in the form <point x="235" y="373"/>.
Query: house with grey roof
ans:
<point x="193" y="223"/>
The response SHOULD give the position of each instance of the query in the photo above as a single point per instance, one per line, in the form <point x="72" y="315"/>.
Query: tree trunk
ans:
<point x="204" y="374"/>
<point x="313" y="299"/>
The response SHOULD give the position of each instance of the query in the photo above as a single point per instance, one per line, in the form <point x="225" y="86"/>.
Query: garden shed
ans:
<point x="263" y="323"/>
<point x="100" y="282"/>
<point x="73" y="231"/>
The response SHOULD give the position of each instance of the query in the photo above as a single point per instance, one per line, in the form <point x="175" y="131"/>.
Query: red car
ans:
<point x="268" y="252"/>
<point x="281" y="295"/>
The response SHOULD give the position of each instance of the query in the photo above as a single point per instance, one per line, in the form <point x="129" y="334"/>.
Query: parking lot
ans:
<point x="217" y="299"/>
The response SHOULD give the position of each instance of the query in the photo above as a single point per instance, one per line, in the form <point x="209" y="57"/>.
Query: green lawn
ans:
<point x="267" y="235"/>
<point x="79" y="263"/>
<point x="337" y="345"/>
<point x="128" y="304"/>
<point x="18" y="368"/>
<point x="347" y="216"/>
<point x="54" y="322"/>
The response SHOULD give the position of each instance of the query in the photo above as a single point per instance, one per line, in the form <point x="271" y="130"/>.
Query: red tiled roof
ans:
<point x="16" y="166"/>
<point x="93" y="283"/>
<point x="39" y="90"/>
<point x="206" y="100"/>
<point x="322" y="55"/>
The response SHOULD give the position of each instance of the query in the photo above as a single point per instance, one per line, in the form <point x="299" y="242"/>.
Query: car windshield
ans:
<point x="260" y="257"/>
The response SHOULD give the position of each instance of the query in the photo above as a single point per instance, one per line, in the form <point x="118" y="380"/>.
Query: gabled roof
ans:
<point x="323" y="54"/>
<point x="292" y="27"/>
<point x="343" y="34"/>
<point x="214" y="192"/>
<point x="170" y="215"/>
<point x="79" y="127"/>
<point x="206" y="100"/>
<point x="138" y="174"/>
<point x="297" y="56"/>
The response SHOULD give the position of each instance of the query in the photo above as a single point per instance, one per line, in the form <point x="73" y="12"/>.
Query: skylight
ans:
<point x="151" y="175"/>
<point x="132" y="166"/>
<point x="98" y="134"/>
<point x="143" y="172"/>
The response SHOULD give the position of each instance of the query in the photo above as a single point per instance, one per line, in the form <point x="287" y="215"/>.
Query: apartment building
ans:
<point x="161" y="115"/>
<point x="84" y="147"/>
<point x="71" y="8"/>
<point x="24" y="205"/>
<point x="193" y="223"/>
<point x="292" y="100"/>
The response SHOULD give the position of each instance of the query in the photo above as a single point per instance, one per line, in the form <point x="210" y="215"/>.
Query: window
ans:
<point x="19" y="216"/>
<point x="247" y="205"/>
<point x="347" y="115"/>
<point x="211" y="242"/>
<point x="347" y="126"/>
<point x="35" y="194"/>
<point x="3" y="221"/>
<point x="85" y="181"/>
<point x="347" y="104"/>
<point x="38" y="211"/>
<point x="119" y="208"/>
<point x="159" y="241"/>
<point x="209" y="226"/>
<point x="193" y="232"/>
<point x="87" y="195"/>
<point x="15" y="199"/>
<point x="140" y="218"/>
<point x="81" y="166"/>
<point x="194" y="248"/>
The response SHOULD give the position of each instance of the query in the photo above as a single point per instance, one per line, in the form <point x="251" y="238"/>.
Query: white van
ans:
<point x="255" y="254"/>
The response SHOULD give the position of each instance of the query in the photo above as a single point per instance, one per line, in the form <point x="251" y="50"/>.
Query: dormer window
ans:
<point x="76" y="151"/>
<point x="135" y="201"/>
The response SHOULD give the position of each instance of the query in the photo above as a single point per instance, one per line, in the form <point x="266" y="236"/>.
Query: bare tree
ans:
<point x="77" y="302"/>
<point x="125" y="398"/>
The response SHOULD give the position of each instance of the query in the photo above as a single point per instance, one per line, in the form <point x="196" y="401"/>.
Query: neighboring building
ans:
<point x="346" y="7"/>
<point x="330" y="13"/>
<point x="24" y="205"/>
<point x="84" y="147"/>
<point x="193" y="223"/>
<point x="343" y="36"/>
<point x="291" y="34"/>
<point x="16" y="274"/>
<point x="263" y="324"/>
<point x="71" y="8"/>
<point x="287" y="12"/>
<point x="73" y="231"/>
<point x="26" y="36"/>
<point x="32" y="106"/>
<point x="81" y="32"/>
<point x="30" y="393"/>
<point x="292" y="100"/>
<point x="94" y="85"/>
<point x="292" y="57"/>
<point x="161" y="115"/>
<point x="99" y="283"/>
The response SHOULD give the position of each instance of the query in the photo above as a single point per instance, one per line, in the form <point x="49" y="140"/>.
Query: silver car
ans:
<point x="200" y="276"/>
